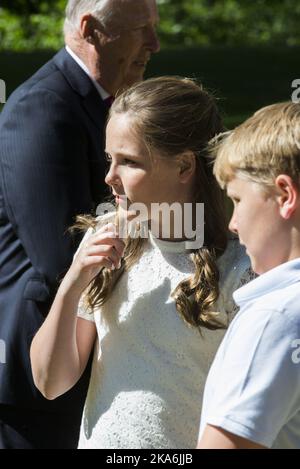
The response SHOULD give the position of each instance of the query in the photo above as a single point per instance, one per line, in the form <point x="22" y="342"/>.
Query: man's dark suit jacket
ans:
<point x="51" y="169"/>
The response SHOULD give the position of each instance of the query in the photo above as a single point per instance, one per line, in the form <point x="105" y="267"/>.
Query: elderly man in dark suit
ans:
<point x="51" y="168"/>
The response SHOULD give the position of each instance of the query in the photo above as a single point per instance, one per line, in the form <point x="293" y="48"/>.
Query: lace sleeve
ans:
<point x="247" y="276"/>
<point x="235" y="271"/>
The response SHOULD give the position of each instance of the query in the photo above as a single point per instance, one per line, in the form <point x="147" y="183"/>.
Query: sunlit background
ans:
<point x="246" y="51"/>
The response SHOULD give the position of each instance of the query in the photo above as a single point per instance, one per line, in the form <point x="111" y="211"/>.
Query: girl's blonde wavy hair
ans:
<point x="173" y="115"/>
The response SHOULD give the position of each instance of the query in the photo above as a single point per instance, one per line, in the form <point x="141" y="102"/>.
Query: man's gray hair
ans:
<point x="76" y="8"/>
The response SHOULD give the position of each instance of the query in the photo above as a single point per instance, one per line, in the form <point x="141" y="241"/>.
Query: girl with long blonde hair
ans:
<point x="153" y="302"/>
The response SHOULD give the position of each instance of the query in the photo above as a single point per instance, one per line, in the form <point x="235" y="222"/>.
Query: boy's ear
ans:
<point x="288" y="195"/>
<point x="186" y="166"/>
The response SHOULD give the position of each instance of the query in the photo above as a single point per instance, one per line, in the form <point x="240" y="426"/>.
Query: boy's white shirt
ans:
<point x="253" y="387"/>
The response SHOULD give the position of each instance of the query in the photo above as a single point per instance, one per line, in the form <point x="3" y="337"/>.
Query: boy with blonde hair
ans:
<point x="252" y="393"/>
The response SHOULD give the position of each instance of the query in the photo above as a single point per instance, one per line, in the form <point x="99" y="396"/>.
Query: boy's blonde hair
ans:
<point x="264" y="146"/>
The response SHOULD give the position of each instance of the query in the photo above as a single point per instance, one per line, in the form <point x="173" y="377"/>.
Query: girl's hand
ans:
<point x="102" y="249"/>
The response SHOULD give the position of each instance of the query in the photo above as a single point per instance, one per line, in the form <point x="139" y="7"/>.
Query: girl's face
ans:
<point x="134" y="174"/>
<point x="257" y="222"/>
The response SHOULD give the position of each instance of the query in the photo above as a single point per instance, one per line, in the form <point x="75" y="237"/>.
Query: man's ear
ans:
<point x="186" y="166"/>
<point x="288" y="195"/>
<point x="90" y="28"/>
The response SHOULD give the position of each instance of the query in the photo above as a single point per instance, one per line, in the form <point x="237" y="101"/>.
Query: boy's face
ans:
<point x="257" y="221"/>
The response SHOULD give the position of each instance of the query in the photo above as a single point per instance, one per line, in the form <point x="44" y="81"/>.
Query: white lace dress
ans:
<point x="149" y="367"/>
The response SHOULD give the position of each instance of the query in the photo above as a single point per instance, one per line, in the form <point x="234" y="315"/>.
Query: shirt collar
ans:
<point x="277" y="278"/>
<point x="104" y="94"/>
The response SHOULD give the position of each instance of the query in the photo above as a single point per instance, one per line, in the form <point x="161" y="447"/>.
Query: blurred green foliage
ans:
<point x="35" y="24"/>
<point x="31" y="24"/>
<point x="230" y="22"/>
